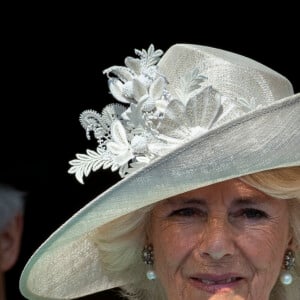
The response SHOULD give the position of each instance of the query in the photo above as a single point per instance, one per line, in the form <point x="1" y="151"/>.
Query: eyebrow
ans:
<point x="194" y="201"/>
<point x="182" y="200"/>
<point x="239" y="201"/>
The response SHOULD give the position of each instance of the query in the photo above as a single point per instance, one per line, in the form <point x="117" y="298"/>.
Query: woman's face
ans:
<point x="224" y="241"/>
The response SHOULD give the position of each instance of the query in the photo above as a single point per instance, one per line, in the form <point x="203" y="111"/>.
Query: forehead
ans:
<point x="231" y="191"/>
<point x="233" y="186"/>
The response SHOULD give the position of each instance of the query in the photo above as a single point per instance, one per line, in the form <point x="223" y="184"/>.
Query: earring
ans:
<point x="286" y="277"/>
<point x="148" y="259"/>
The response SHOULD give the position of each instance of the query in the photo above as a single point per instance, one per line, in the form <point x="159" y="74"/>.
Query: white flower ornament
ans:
<point x="150" y="122"/>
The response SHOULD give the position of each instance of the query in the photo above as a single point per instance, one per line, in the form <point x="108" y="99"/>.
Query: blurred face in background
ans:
<point x="10" y="239"/>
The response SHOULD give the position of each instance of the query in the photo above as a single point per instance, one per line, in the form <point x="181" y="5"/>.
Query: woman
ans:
<point x="209" y="144"/>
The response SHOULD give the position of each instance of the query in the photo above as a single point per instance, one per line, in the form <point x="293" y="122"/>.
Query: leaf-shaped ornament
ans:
<point x="118" y="133"/>
<point x="116" y="88"/>
<point x="84" y="163"/>
<point x="110" y="113"/>
<point x="123" y="73"/>
<point x="134" y="64"/>
<point x="139" y="90"/>
<point x="175" y="121"/>
<point x="157" y="88"/>
<point x="151" y="56"/>
<point x="203" y="108"/>
<point x="189" y="83"/>
<point x="134" y="115"/>
<point x="90" y="120"/>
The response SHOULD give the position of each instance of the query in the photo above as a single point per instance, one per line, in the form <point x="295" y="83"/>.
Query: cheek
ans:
<point x="172" y="245"/>
<point x="264" y="248"/>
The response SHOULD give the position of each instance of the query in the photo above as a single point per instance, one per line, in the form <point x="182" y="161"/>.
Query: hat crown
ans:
<point x="233" y="75"/>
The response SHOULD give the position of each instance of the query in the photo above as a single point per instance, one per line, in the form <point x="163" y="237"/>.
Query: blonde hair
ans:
<point x="120" y="242"/>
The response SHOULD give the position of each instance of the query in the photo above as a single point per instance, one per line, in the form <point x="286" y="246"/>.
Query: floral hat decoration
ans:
<point x="182" y="120"/>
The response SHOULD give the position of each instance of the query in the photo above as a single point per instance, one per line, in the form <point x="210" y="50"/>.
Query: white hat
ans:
<point x="195" y="117"/>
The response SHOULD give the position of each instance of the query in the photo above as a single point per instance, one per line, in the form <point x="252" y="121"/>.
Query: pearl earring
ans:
<point x="148" y="259"/>
<point x="286" y="277"/>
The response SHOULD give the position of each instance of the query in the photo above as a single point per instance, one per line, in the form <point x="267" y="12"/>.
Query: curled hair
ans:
<point x="120" y="245"/>
<point x="121" y="241"/>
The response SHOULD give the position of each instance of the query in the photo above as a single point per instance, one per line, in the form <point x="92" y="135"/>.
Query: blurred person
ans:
<point x="11" y="228"/>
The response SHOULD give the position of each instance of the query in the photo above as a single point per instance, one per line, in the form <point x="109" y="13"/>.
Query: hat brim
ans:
<point x="68" y="266"/>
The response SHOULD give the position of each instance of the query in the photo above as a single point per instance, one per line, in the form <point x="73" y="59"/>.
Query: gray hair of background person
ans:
<point x="11" y="203"/>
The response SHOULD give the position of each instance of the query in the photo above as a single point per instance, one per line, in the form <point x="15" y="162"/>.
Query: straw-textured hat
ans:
<point x="193" y="117"/>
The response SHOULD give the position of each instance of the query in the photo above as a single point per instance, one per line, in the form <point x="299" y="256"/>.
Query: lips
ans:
<point x="223" y="281"/>
<point x="216" y="283"/>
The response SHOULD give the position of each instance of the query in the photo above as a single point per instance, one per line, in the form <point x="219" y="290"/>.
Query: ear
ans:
<point x="10" y="241"/>
<point x="292" y="243"/>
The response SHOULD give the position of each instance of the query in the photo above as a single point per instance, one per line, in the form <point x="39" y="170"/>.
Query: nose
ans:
<point x="217" y="241"/>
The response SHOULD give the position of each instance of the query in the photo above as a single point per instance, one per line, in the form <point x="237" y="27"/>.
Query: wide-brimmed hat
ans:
<point x="193" y="117"/>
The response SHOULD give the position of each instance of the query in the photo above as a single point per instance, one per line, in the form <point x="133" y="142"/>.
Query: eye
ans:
<point x="252" y="213"/>
<point x="187" y="212"/>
